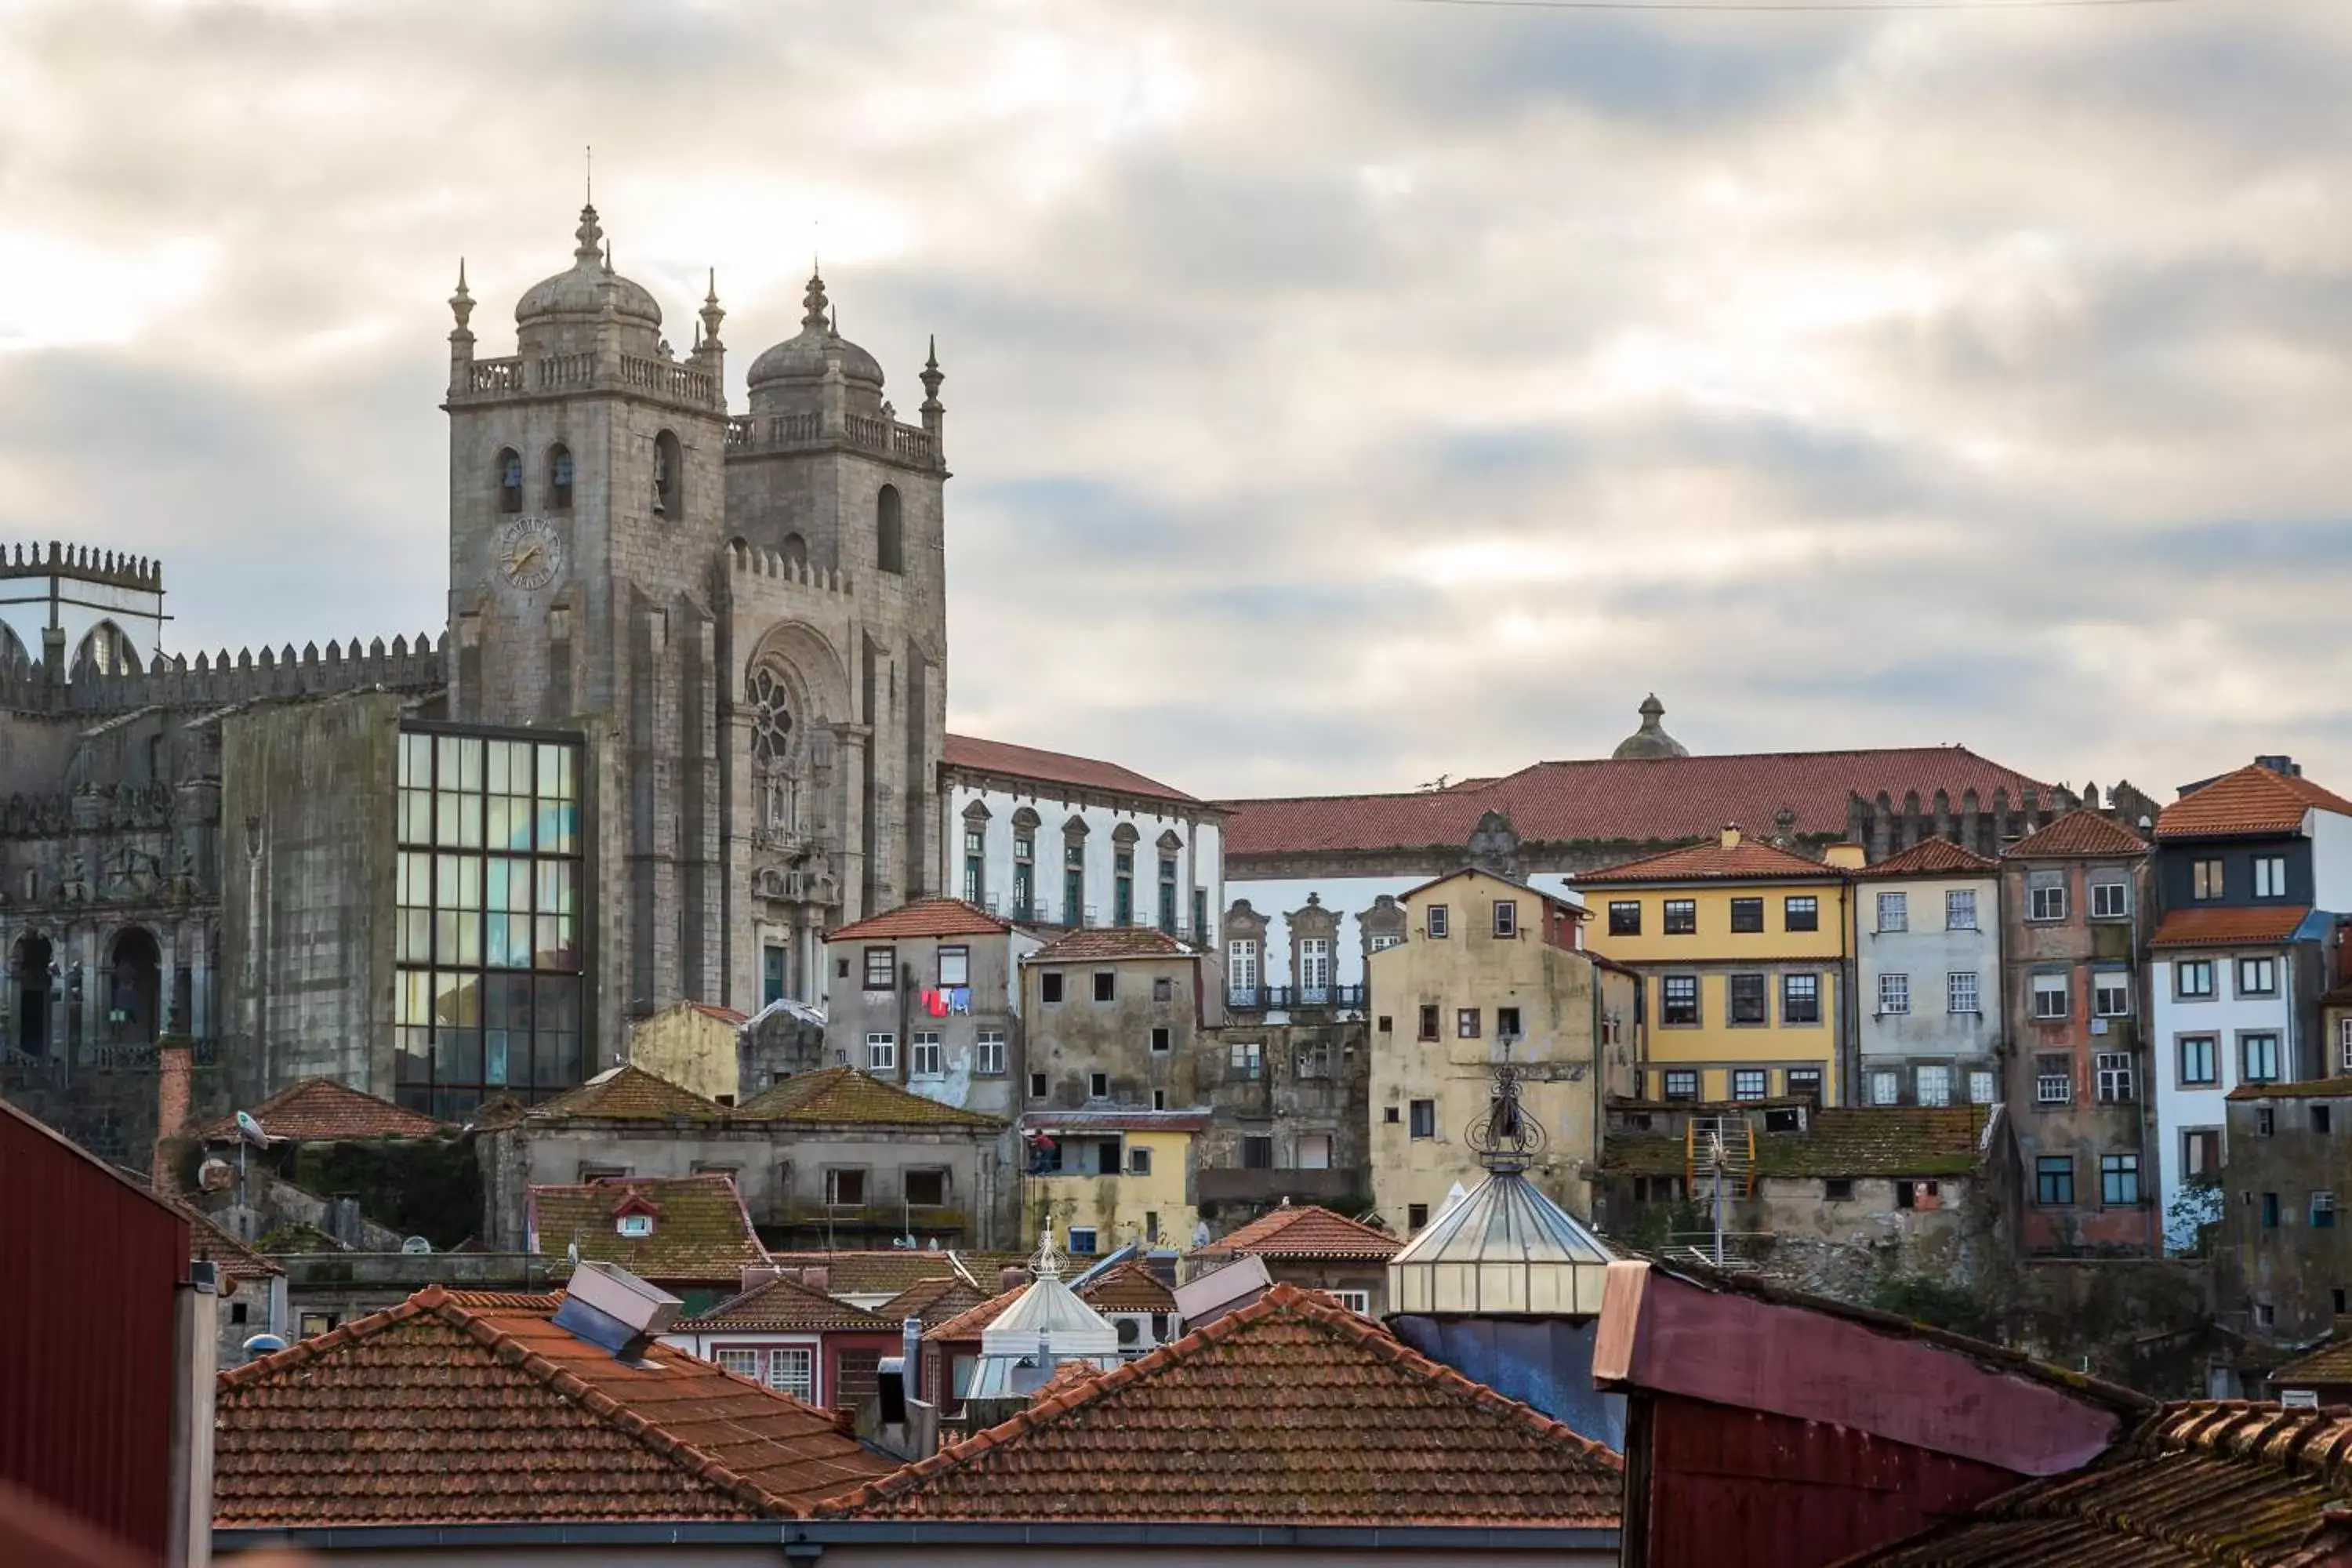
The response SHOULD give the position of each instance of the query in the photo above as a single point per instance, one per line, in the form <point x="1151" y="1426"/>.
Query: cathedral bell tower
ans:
<point x="586" y="503"/>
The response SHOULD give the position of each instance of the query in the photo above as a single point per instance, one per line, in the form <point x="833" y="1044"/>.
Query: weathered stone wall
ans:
<point x="1314" y="1082"/>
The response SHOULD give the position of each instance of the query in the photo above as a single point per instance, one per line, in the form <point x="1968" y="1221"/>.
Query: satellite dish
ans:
<point x="264" y="1344"/>
<point x="415" y="1244"/>
<point x="250" y="1130"/>
<point x="215" y="1174"/>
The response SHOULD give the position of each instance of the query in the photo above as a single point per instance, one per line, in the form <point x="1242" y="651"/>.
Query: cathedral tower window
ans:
<point x="889" y="532"/>
<point x="510" y="480"/>
<point x="795" y="552"/>
<point x="558" y="479"/>
<point x="666" y="477"/>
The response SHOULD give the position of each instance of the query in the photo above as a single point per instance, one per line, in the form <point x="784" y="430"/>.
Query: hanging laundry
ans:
<point x="935" y="1003"/>
<point x="960" y="999"/>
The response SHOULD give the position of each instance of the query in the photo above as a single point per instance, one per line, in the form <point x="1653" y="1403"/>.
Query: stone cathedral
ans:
<point x="685" y="715"/>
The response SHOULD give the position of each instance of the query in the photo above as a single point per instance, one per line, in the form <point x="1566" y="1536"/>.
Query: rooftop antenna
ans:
<point x="588" y="156"/>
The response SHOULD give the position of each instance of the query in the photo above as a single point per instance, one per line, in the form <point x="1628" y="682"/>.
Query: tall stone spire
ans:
<point x="711" y="312"/>
<point x="812" y="313"/>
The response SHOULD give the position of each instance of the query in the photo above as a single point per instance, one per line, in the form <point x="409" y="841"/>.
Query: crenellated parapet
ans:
<point x="210" y="680"/>
<point x="749" y="561"/>
<point x="81" y="561"/>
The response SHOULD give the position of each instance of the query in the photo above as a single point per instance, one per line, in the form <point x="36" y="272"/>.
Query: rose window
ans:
<point x="771" y="718"/>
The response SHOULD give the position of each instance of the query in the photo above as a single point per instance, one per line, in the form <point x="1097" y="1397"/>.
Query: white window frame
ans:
<point x="1241" y="964"/>
<point x="1894" y="994"/>
<point x="1885" y="1086"/>
<point x="2115" y="1086"/>
<point x="1092" y="1243"/>
<point x="1507" y="917"/>
<point x="2053" y="1088"/>
<point x="1932" y="1084"/>
<point x="2046" y="905"/>
<point x="634" y="1225"/>
<point x="881" y="1051"/>
<point x="924" y="1056"/>
<point x="2344" y="1043"/>
<point x="1963" y="993"/>
<point x="1314" y="962"/>
<point x="2270" y="876"/>
<point x="1246" y="1060"/>
<point x="740" y="1360"/>
<point x="1436" y="920"/>
<point x="882" y="962"/>
<point x="2115" y="908"/>
<point x="955" y="967"/>
<point x="1984" y="1086"/>
<point x="1761" y="1078"/>
<point x="801" y="1385"/>
<point x="1357" y="1301"/>
<point x="1959" y="909"/>
<point x="2107" y="984"/>
<point x="1893" y="911"/>
<point x="2064" y="991"/>
<point x="988" y="1053"/>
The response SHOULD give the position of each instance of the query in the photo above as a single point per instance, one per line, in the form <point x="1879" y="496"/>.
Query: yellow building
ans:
<point x="1742" y="949"/>
<point x="1488" y="966"/>
<point x="1104" y="1178"/>
<point x="692" y="1044"/>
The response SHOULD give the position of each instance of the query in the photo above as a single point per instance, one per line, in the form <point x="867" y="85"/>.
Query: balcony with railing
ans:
<point x="1290" y="999"/>
<point x="487" y="380"/>
<point x="749" y="433"/>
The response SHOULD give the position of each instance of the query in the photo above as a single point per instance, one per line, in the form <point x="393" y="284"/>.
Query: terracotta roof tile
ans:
<point x="2228" y="927"/>
<point x="700" y="1233"/>
<point x="930" y="1302"/>
<point x="1090" y="942"/>
<point x="1116" y="1120"/>
<point x="1307" y="1231"/>
<point x="2301" y="1088"/>
<point x="1646" y="801"/>
<point x="2198" y="1484"/>
<point x="208" y="1243"/>
<point x="972" y="1322"/>
<point x="629" y="1093"/>
<point x="891" y="1271"/>
<point x="2331" y="1362"/>
<point x="1855" y="1141"/>
<point x="2253" y="800"/>
<point x="1746" y="861"/>
<point x="925" y="917"/>
<point x="786" y="1306"/>
<point x="724" y="1015"/>
<point x="450" y="1410"/>
<point x="322" y="1108"/>
<point x="1129" y="1287"/>
<point x="2079" y="834"/>
<point x="967" y="754"/>
<point x="1933" y="857"/>
<point x="1291" y="1411"/>
<point x="843" y="1095"/>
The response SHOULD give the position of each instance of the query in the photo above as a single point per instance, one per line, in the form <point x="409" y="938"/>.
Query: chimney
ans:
<point x="1731" y="835"/>
<point x="174" y="1063"/>
<point x="1012" y="1279"/>
<point x="1843" y="856"/>
<point x="757" y="1274"/>
<point x="911" y="1346"/>
<point x="819" y="1278"/>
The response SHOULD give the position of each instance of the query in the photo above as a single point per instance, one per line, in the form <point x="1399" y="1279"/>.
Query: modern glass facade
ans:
<point x="489" y="990"/>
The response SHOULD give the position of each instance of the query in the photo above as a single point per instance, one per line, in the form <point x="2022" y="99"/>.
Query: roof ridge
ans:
<point x="304" y="1350"/>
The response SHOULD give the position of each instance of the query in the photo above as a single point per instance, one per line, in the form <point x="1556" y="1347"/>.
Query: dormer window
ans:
<point x="510" y="480"/>
<point x="635" y="1224"/>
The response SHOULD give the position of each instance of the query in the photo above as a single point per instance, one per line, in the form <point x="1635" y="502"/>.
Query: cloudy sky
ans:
<point x="1341" y="392"/>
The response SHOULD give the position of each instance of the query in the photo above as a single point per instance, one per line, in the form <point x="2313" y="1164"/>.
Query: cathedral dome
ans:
<point x="802" y="358"/>
<point x="1650" y="742"/>
<point x="583" y="289"/>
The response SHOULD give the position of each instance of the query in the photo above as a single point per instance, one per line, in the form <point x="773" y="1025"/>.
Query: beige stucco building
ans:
<point x="692" y="1044"/>
<point x="1488" y="966"/>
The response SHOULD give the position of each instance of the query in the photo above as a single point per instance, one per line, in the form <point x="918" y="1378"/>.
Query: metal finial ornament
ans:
<point x="1047" y="1264"/>
<point x="1507" y="1138"/>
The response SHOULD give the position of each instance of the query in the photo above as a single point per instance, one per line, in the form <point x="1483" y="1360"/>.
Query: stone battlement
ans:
<point x="485" y="380"/>
<point x="751" y="433"/>
<point x="748" y="560"/>
<point x="211" y="680"/>
<point x="83" y="563"/>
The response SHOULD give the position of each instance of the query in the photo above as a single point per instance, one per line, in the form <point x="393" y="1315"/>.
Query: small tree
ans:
<point x="2194" y="1214"/>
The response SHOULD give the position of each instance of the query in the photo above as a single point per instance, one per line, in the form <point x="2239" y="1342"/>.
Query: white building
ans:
<point x="1927" y="970"/>
<point x="92" y="609"/>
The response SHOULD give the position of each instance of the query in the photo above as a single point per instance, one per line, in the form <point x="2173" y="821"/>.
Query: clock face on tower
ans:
<point x="530" y="553"/>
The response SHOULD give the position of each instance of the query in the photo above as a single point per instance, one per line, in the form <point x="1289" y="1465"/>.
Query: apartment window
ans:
<point x="2045" y="897"/>
<point x="1885" y="1086"/>
<point x="1507" y="917"/>
<point x="2265" y="1120"/>
<point x="1678" y="1000"/>
<point x="2344" y="1044"/>
<point x="2323" y="1211"/>
<point x="1357" y="1301"/>
<point x="1746" y="915"/>
<point x="1168" y="895"/>
<point x="1983" y="1089"/>
<point x="1800" y="913"/>
<point x="793" y="1371"/>
<point x="1106" y="984"/>
<point x="1082" y="1241"/>
<point x="2205" y="879"/>
<point x="955" y="967"/>
<point x="2270" y="1211"/>
<point x="1122" y="887"/>
<point x="1893" y="911"/>
<point x="742" y="1363"/>
<point x="2050" y="997"/>
<point x="1246" y="1060"/>
<point x="1139" y="1162"/>
<point x="2200" y="1152"/>
<point x="881" y="1053"/>
<point x="1036" y="1086"/>
<point x="1159" y="1100"/>
<point x="2054" y="1080"/>
<point x="1424" y="1122"/>
<point x="1314" y="970"/>
<point x="1465" y="1023"/>
<point x="636" y="1224"/>
<point x="1801" y="999"/>
<point x="1434" y="922"/>
<point x="2119" y="1180"/>
<point x="1241" y="969"/>
<point x="2323" y="1119"/>
<point x="1960" y="993"/>
<point x="924" y="1188"/>
<point x="1960" y="909"/>
<point x="1163" y="1040"/>
<point x="1390" y="1115"/>
<point x="1680" y="1083"/>
<point x="1428" y="1021"/>
<point x="2258" y="1056"/>
<point x="1049" y="987"/>
<point x="988" y="1053"/>
<point x="1805" y="1081"/>
<point x="1625" y="917"/>
<point x="1894" y="993"/>
<point x="2199" y="1068"/>
<point x="2192" y="978"/>
<point x="1416" y="1215"/>
<point x="1935" y="1086"/>
<point x="924" y="1057"/>
<point x="1098" y="1085"/>
<point x="2110" y="901"/>
<point x="1749" y="1083"/>
<point x="975" y="861"/>
<point x="1681" y="917"/>
<point x="1748" y="1003"/>
<point x="2270" y="876"/>
<point x="2054" y="1180"/>
<point x="1506" y="1022"/>
<point x="2258" y="977"/>
<point x="881" y="969"/>
<point x="2111" y="994"/>
<point x="2115" y="1068"/>
<point x="844" y="1187"/>
<point x="1837" y="1189"/>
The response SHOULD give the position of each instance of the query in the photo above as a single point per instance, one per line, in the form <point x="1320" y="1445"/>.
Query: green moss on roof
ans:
<point x="1874" y="1140"/>
<point x="845" y="1095"/>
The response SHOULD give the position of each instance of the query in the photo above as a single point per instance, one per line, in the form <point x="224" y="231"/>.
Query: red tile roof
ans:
<point x="1091" y="943"/>
<point x="1714" y="862"/>
<point x="846" y="1096"/>
<point x="629" y="1093"/>
<point x="453" y="1409"/>
<point x="2300" y="1089"/>
<point x="2228" y="927"/>
<point x="701" y="1234"/>
<point x="321" y="1109"/>
<point x="1131" y="1121"/>
<point x="930" y="1302"/>
<point x="2253" y="800"/>
<point x="2079" y="834"/>
<point x="889" y="1270"/>
<point x="971" y="1323"/>
<point x="2330" y="1364"/>
<point x="236" y="1262"/>
<point x="1639" y="801"/>
<point x="785" y="1306"/>
<point x="1307" y="1231"/>
<point x="724" y="1015"/>
<point x="2202" y="1483"/>
<point x="924" y="917"/>
<point x="966" y="754"/>
<point x="1291" y="1411"/>
<point x="1934" y="858"/>
<point x="1129" y="1287"/>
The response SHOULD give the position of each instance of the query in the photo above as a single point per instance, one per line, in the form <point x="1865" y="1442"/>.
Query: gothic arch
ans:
<point x="105" y="649"/>
<point x="561" y="474"/>
<point x="16" y="659"/>
<point x="810" y="663"/>
<point x="889" y="532"/>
